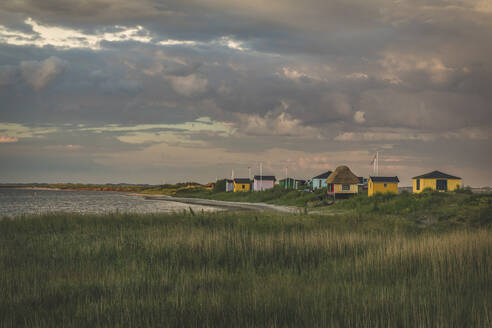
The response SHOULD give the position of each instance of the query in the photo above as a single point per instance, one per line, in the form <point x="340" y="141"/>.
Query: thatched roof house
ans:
<point x="342" y="181"/>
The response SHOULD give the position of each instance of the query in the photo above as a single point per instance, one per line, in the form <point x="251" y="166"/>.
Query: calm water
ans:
<point x="16" y="202"/>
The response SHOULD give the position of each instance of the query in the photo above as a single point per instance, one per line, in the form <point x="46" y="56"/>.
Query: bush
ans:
<point x="465" y="190"/>
<point x="220" y="185"/>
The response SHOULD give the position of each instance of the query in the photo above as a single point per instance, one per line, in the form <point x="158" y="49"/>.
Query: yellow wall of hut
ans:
<point x="453" y="184"/>
<point x="240" y="187"/>
<point x="381" y="187"/>
<point x="354" y="189"/>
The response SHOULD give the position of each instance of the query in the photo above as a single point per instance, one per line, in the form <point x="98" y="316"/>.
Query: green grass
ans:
<point x="451" y="208"/>
<point x="244" y="270"/>
<point x="277" y="195"/>
<point x="166" y="189"/>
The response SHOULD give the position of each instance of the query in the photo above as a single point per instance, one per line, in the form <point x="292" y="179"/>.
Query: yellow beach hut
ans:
<point x="342" y="182"/>
<point x="241" y="184"/>
<point x="436" y="180"/>
<point x="382" y="185"/>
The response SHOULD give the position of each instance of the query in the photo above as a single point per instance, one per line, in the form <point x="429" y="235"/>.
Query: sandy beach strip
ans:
<point x="223" y="204"/>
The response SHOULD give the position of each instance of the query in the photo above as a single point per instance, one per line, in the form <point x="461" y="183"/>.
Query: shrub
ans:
<point x="465" y="190"/>
<point x="220" y="185"/>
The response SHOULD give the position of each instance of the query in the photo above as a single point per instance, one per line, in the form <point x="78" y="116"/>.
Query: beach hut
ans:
<point x="436" y="180"/>
<point x="382" y="185"/>
<point x="362" y="184"/>
<point x="242" y="184"/>
<point x="290" y="183"/>
<point x="342" y="182"/>
<point x="319" y="181"/>
<point x="229" y="185"/>
<point x="263" y="182"/>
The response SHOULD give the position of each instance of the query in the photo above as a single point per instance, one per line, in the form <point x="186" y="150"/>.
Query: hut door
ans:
<point x="442" y="185"/>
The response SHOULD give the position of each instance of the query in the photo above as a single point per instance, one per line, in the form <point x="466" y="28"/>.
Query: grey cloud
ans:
<point x="40" y="73"/>
<point x="122" y="86"/>
<point x="113" y="85"/>
<point x="424" y="110"/>
<point x="188" y="85"/>
<point x="422" y="67"/>
<point x="8" y="75"/>
<point x="289" y="26"/>
<point x="37" y="74"/>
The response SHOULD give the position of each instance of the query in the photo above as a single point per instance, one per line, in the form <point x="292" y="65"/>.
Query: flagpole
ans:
<point x="381" y="157"/>
<point x="373" y="166"/>
<point x="377" y="163"/>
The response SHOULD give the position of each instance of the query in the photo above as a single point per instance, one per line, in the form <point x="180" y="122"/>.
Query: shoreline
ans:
<point x="223" y="204"/>
<point x="35" y="188"/>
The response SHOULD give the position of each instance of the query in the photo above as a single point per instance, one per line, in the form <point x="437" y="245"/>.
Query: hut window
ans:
<point x="418" y="184"/>
<point x="385" y="185"/>
<point x="345" y="187"/>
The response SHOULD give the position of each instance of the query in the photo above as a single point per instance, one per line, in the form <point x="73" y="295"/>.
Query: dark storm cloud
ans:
<point x="306" y="76"/>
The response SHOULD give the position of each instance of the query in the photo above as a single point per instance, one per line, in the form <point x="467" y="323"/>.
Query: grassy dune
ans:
<point x="243" y="269"/>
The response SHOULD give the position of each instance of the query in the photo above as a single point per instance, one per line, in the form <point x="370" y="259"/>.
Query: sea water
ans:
<point x="18" y="202"/>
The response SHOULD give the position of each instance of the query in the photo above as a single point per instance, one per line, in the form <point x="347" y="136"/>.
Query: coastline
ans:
<point x="223" y="204"/>
<point x="35" y="188"/>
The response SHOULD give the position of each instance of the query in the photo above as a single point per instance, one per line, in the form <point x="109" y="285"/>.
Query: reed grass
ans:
<point x="241" y="270"/>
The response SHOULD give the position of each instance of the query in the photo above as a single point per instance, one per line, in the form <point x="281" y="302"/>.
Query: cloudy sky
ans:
<point x="186" y="90"/>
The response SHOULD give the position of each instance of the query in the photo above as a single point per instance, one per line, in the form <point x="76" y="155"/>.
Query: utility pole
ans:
<point x="249" y="173"/>
<point x="286" y="178"/>
<point x="261" y="176"/>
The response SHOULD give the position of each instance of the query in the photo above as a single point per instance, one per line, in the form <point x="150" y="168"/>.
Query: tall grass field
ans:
<point x="243" y="270"/>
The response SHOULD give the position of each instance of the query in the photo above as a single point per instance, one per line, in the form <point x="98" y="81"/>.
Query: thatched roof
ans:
<point x="342" y="175"/>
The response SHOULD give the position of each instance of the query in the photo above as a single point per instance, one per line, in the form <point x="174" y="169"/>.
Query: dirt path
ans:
<point x="223" y="204"/>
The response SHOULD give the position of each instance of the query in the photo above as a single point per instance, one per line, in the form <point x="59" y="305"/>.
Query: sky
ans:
<point x="112" y="91"/>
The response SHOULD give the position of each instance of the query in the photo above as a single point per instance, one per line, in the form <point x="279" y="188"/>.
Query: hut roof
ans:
<point x="242" y="180"/>
<point x="435" y="175"/>
<point x="323" y="175"/>
<point x="292" y="179"/>
<point x="385" y="179"/>
<point x="264" y="177"/>
<point x="342" y="175"/>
